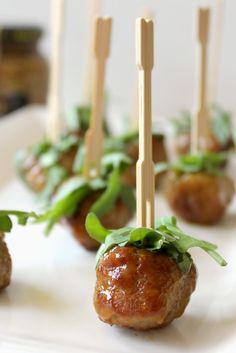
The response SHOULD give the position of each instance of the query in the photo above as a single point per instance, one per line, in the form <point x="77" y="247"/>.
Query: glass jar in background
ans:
<point x="23" y="70"/>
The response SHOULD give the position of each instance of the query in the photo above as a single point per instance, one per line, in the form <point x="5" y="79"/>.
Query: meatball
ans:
<point x="36" y="176"/>
<point x="5" y="264"/>
<point x="116" y="218"/>
<point x="182" y="144"/>
<point x="159" y="155"/>
<point x="199" y="198"/>
<point x="140" y="289"/>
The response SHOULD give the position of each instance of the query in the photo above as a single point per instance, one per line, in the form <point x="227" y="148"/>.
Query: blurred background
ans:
<point x="173" y="76"/>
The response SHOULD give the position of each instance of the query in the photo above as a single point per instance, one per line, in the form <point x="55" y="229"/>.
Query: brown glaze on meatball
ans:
<point x="140" y="289"/>
<point x="5" y="264"/>
<point x="159" y="155"/>
<point x="199" y="198"/>
<point x="116" y="218"/>
<point x="36" y="175"/>
<point x="182" y="144"/>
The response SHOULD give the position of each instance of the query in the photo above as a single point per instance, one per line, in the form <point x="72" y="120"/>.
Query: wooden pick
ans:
<point x="145" y="179"/>
<point x="94" y="135"/>
<point x="148" y="14"/>
<point x="54" y="122"/>
<point x="200" y="125"/>
<point x="94" y="6"/>
<point x="216" y="47"/>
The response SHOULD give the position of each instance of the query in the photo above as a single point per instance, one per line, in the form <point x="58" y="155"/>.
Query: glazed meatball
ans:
<point x="5" y="264"/>
<point x="182" y="144"/>
<point x="199" y="198"/>
<point x="140" y="289"/>
<point x="36" y="176"/>
<point x="116" y="218"/>
<point x="159" y="155"/>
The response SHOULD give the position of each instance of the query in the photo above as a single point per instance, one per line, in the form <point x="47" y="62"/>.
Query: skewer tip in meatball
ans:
<point x="116" y="218"/>
<point x="199" y="198"/>
<point x="5" y="264"/>
<point x="140" y="289"/>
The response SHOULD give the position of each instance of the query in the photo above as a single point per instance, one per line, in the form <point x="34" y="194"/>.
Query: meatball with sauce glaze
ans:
<point x="140" y="289"/>
<point x="200" y="197"/>
<point x="116" y="218"/>
<point x="36" y="176"/>
<point x="5" y="264"/>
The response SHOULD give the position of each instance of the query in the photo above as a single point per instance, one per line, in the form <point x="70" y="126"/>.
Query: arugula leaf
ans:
<point x="119" y="143"/>
<point x="221" y="124"/>
<point x="115" y="160"/>
<point x="208" y="162"/>
<point x="106" y="201"/>
<point x="127" y="196"/>
<point x="95" y="227"/>
<point x="78" y="118"/>
<point x="165" y="237"/>
<point x="22" y="218"/>
<point x="55" y="176"/>
<point x="40" y="148"/>
<point x="5" y="223"/>
<point x="79" y="160"/>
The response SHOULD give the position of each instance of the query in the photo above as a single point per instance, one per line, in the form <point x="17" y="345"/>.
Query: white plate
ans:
<point x="48" y="307"/>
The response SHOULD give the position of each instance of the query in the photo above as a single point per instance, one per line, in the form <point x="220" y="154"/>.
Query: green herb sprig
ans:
<point x="166" y="237"/>
<point x="207" y="162"/>
<point x="21" y="216"/>
<point x="221" y="124"/>
<point x="76" y="189"/>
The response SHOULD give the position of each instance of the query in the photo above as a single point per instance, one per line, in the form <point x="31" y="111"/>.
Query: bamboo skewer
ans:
<point x="215" y="57"/>
<point x="147" y="14"/>
<point x="54" y="121"/>
<point x="200" y="125"/>
<point x="94" y="135"/>
<point x="145" y="188"/>
<point x="94" y="6"/>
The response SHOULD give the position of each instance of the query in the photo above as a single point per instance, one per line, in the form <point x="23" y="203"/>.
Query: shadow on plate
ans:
<point x="189" y="332"/>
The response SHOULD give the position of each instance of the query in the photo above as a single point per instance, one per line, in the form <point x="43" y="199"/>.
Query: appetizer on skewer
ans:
<point x="145" y="275"/>
<point x="196" y="188"/>
<point x="45" y="165"/>
<point x="107" y="196"/>
<point x="100" y="188"/>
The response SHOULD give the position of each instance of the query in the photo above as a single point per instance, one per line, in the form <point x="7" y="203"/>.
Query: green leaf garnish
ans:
<point x="55" y="176"/>
<point x="221" y="124"/>
<point x="95" y="227"/>
<point x="69" y="196"/>
<point x="208" y="162"/>
<point x="166" y="237"/>
<point x="78" y="119"/>
<point x="22" y="218"/>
